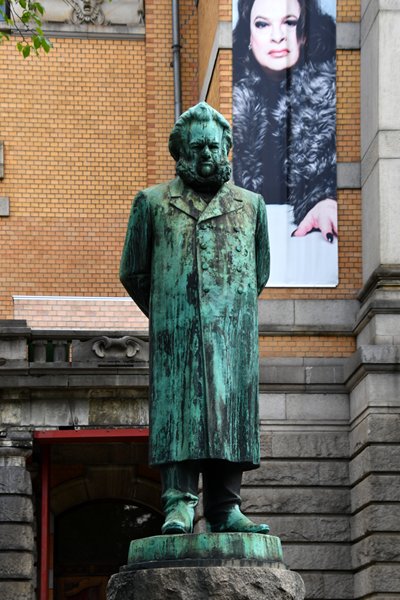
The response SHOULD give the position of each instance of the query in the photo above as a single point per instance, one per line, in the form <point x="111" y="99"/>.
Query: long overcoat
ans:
<point x="196" y="270"/>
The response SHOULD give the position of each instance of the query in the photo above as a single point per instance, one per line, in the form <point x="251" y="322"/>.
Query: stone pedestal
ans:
<point x="202" y="566"/>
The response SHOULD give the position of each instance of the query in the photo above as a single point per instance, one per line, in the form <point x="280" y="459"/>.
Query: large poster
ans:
<point x="284" y="130"/>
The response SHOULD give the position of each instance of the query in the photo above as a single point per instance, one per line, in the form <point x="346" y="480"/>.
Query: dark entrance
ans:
<point x="91" y="543"/>
<point x="96" y="492"/>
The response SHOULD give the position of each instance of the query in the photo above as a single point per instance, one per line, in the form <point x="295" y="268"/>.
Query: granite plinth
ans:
<point x="201" y="566"/>
<point x="203" y="583"/>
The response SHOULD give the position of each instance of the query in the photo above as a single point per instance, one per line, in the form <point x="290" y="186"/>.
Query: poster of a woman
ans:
<point x="284" y="130"/>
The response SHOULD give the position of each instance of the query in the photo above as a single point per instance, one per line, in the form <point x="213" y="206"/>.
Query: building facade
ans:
<point x="83" y="129"/>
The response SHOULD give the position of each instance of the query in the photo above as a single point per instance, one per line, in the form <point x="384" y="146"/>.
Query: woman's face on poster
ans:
<point x="273" y="33"/>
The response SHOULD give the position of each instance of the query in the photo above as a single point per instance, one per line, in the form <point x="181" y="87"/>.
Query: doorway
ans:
<point x="91" y="542"/>
<point x="96" y="493"/>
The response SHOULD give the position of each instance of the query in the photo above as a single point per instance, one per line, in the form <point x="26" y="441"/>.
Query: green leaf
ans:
<point x="22" y="3"/>
<point x="46" y="45"/>
<point x="26" y="51"/>
<point x="20" y="46"/>
<point x="26" y="17"/>
<point x="37" y="41"/>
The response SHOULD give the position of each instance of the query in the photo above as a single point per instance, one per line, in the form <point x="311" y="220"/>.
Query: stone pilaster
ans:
<point x="373" y="373"/>
<point x="16" y="522"/>
<point x="379" y="319"/>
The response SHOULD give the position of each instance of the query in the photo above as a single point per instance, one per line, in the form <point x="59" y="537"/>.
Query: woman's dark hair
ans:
<point x="315" y="29"/>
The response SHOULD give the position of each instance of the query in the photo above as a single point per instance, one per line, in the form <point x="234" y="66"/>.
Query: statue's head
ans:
<point x="200" y="142"/>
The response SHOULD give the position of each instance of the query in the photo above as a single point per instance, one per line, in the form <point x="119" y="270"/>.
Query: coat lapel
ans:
<point x="185" y="199"/>
<point x="225" y="201"/>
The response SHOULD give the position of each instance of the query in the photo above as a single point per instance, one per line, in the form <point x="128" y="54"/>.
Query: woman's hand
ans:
<point x="322" y="216"/>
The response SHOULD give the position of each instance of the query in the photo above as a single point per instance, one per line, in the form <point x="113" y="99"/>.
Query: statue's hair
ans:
<point x="202" y="112"/>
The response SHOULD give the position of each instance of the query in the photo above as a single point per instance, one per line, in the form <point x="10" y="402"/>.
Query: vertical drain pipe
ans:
<point x="176" y="58"/>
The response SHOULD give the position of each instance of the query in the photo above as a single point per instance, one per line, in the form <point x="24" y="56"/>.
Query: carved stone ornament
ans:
<point x="128" y="345"/>
<point x="94" y="12"/>
<point x="87" y="11"/>
<point x="104" y="349"/>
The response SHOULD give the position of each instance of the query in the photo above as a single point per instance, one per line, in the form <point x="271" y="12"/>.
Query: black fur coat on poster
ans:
<point x="301" y="118"/>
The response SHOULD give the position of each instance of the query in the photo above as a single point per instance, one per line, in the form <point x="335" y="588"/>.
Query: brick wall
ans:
<point x="348" y="10"/>
<point x="189" y="29"/>
<point x="85" y="128"/>
<point x="159" y="90"/>
<point x="63" y="312"/>
<point x="75" y="151"/>
<point x="328" y="346"/>
<point x="348" y="105"/>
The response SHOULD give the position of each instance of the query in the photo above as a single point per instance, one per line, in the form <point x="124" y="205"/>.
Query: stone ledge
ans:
<point x="384" y="276"/>
<point x="381" y="306"/>
<point x="305" y="316"/>
<point x="302" y="374"/>
<point x="370" y="359"/>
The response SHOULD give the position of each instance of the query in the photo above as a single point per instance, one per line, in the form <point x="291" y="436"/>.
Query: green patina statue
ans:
<point x="196" y="257"/>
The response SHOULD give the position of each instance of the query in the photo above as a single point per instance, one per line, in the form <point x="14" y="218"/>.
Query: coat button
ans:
<point x="203" y="226"/>
<point x="236" y="229"/>
<point x="203" y="246"/>
<point x="239" y="248"/>
<point x="204" y="266"/>
<point x="240" y="289"/>
<point x="239" y="269"/>
<point x="206" y="290"/>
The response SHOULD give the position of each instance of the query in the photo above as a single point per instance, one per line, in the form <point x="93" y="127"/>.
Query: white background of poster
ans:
<point x="322" y="258"/>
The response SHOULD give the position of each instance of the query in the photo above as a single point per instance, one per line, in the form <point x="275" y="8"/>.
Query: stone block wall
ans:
<point x="17" y="544"/>
<point x="302" y="488"/>
<point x="328" y="482"/>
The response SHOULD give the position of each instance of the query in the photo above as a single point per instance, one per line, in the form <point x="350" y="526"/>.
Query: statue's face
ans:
<point x="206" y="150"/>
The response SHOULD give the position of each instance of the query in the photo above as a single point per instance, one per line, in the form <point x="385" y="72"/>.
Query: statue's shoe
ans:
<point x="174" y="527"/>
<point x="236" y="522"/>
<point x="179" y="514"/>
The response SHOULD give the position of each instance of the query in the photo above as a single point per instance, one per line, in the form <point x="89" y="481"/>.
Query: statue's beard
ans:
<point x="187" y="172"/>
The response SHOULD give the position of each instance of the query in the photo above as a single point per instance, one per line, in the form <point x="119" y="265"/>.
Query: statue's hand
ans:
<point x="322" y="216"/>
